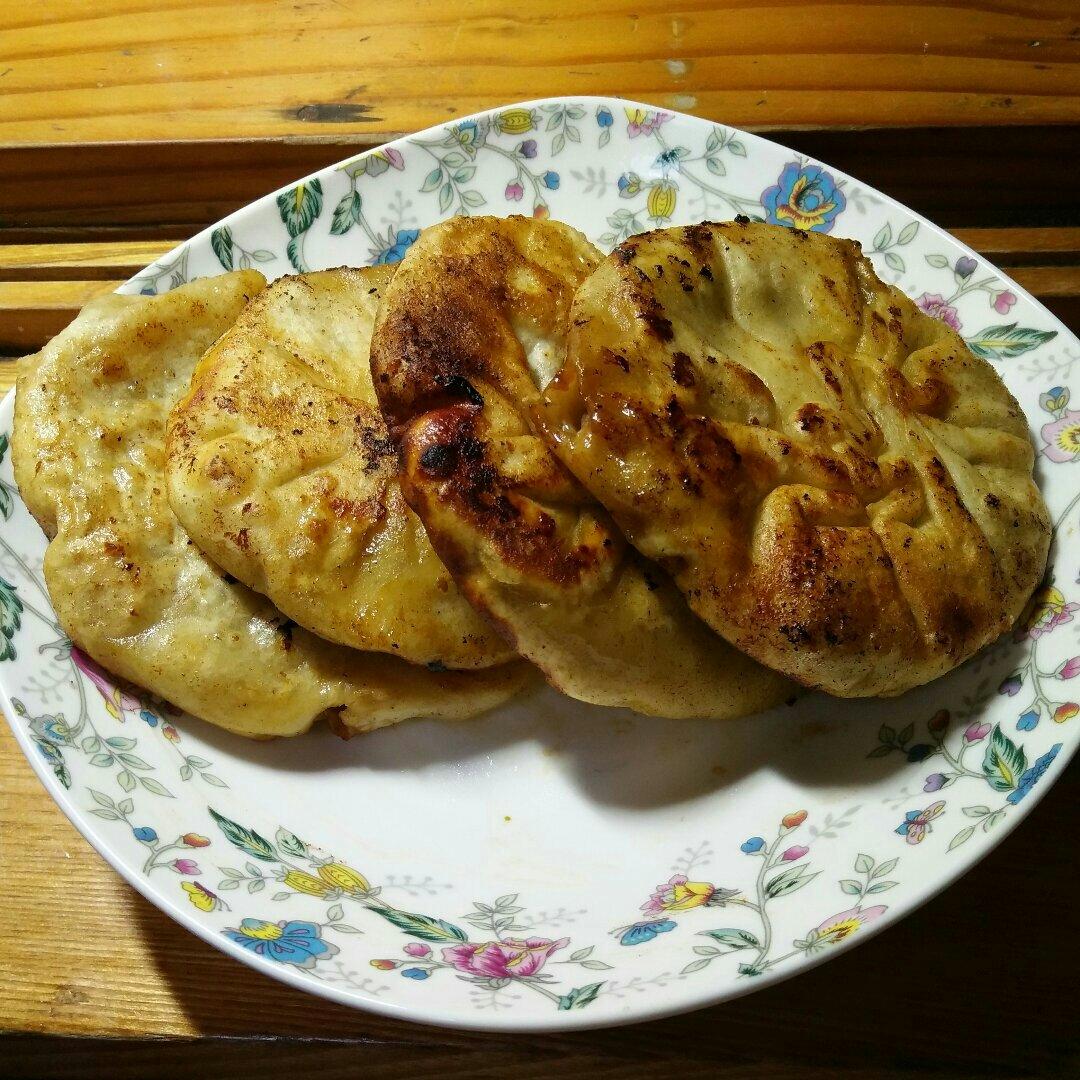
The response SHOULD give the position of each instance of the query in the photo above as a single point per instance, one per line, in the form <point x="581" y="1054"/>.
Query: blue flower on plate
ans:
<point x="753" y="845"/>
<point x="604" y="118"/>
<point x="640" y="932"/>
<point x="1032" y="776"/>
<point x="551" y="180"/>
<point x="399" y="243"/>
<point x="294" y="942"/>
<point x="1028" y="721"/>
<point x="804" y="197"/>
<point x="49" y="752"/>
<point x="416" y="973"/>
<point x="145" y="834"/>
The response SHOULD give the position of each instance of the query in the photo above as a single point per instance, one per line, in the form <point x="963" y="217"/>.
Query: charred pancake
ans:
<point x="836" y="483"/>
<point x="472" y="325"/>
<point x="127" y="583"/>
<point x="281" y="469"/>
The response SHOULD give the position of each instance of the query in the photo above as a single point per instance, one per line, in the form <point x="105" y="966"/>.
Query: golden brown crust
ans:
<point x="282" y="470"/>
<point x="836" y="483"/>
<point x="127" y="583"/>
<point x="471" y="326"/>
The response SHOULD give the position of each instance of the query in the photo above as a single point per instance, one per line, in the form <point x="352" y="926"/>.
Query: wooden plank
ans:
<point x="92" y="957"/>
<point x="978" y="178"/>
<point x="71" y="261"/>
<point x="31" y="312"/>
<point x="129" y="69"/>
<point x="38" y="303"/>
<point x="107" y="260"/>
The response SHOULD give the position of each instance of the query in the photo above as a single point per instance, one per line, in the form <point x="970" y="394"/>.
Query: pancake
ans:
<point x="281" y="469"/>
<point x="130" y="587"/>
<point x="837" y="485"/>
<point x="472" y="325"/>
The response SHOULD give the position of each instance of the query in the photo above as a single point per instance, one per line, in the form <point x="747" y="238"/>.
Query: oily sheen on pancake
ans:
<point x="127" y="583"/>
<point x="837" y="484"/>
<point x="472" y="324"/>
<point x="281" y="468"/>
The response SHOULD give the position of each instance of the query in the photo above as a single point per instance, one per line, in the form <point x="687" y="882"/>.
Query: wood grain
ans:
<point x="42" y="286"/>
<point x="173" y="69"/>
<point x="976" y="983"/>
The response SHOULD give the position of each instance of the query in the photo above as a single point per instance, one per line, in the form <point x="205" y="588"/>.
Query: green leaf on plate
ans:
<point x="884" y="235"/>
<point x="291" y="843"/>
<point x="300" y="206"/>
<point x="938" y="261"/>
<point x="580" y="996"/>
<point x="11" y="608"/>
<point x="346" y="214"/>
<point x="154" y="787"/>
<point x="961" y="837"/>
<point x="1004" y="762"/>
<point x="1008" y="340"/>
<point x="863" y="864"/>
<point x="294" y="250"/>
<point x="885" y="868"/>
<point x="247" y="840"/>
<point x="221" y="241"/>
<point x="908" y="233"/>
<point x="424" y="927"/>
<point x="789" y="881"/>
<point x="733" y="938"/>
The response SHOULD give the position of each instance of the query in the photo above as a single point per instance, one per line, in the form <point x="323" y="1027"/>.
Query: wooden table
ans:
<point x="126" y="125"/>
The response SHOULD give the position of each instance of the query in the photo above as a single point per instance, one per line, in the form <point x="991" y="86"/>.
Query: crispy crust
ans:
<point x="836" y="483"/>
<point x="281" y="468"/>
<point x="127" y="583"/>
<point x="472" y="325"/>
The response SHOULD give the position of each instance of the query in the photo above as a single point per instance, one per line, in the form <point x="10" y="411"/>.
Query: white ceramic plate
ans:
<point x="554" y="865"/>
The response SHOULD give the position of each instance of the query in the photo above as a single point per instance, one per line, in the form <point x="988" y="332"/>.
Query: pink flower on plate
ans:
<point x="1047" y="610"/>
<point x="934" y="305"/>
<point x="117" y="700"/>
<point x="418" y="949"/>
<point x="512" y="958"/>
<point x="186" y="866"/>
<point x="644" y="121"/>
<point x="834" y="929"/>
<point x="976" y="732"/>
<point x="793" y="853"/>
<point x="1062" y="437"/>
<point x="1070" y="669"/>
<point x="1003" y="301"/>
<point x="514" y="191"/>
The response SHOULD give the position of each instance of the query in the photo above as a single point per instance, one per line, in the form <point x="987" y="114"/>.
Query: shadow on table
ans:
<point x="620" y="759"/>
<point x="980" y="982"/>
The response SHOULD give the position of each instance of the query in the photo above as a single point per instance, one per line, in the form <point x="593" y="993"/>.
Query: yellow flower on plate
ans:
<point x="343" y="877"/>
<point x="516" y="121"/>
<point x="200" y="896"/>
<point x="263" y="931"/>
<point x="662" y="201"/>
<point x="306" y="883"/>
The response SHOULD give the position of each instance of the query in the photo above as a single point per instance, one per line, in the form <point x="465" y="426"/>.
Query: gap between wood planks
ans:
<point x="42" y="286"/>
